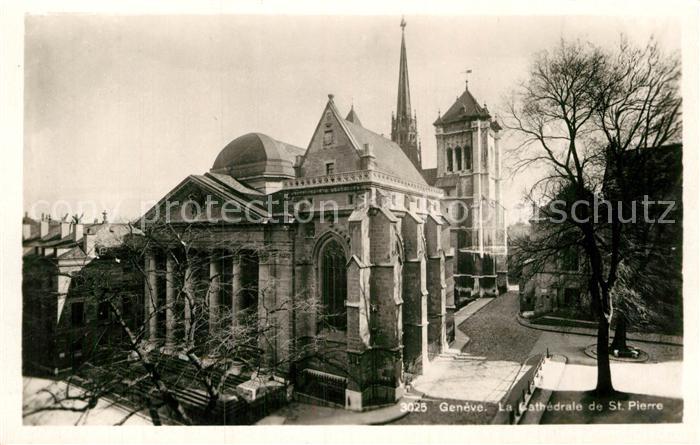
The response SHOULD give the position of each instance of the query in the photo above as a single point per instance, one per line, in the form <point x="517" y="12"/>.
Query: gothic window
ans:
<point x="333" y="284"/>
<point x="468" y="156"/>
<point x="449" y="159"/>
<point x="458" y="155"/>
<point x="330" y="168"/>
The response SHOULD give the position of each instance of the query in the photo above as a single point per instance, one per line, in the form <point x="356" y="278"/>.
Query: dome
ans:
<point x="255" y="155"/>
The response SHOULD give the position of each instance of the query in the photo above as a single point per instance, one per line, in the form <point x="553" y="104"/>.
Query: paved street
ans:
<point x="496" y="347"/>
<point x="495" y="334"/>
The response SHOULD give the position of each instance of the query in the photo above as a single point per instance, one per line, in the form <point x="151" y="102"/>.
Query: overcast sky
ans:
<point x="119" y="109"/>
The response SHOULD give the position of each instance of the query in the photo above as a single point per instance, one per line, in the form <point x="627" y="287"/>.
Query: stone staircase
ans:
<point x="453" y="354"/>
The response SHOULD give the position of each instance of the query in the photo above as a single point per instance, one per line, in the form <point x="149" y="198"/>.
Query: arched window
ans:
<point x="449" y="159"/>
<point x="468" y="156"/>
<point x="334" y="284"/>
<point x="458" y="155"/>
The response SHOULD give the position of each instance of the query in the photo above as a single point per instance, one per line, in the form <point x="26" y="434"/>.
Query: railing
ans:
<point x="359" y="176"/>
<point x="516" y="399"/>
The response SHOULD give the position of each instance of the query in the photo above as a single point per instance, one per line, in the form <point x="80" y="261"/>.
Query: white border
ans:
<point x="11" y="117"/>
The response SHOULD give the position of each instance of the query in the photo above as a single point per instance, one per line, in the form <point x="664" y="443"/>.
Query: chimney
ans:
<point x="77" y="232"/>
<point x="367" y="157"/>
<point x="104" y="217"/>
<point x="43" y="227"/>
<point x="65" y="229"/>
<point x="89" y="244"/>
<point x="26" y="231"/>
<point x="297" y="165"/>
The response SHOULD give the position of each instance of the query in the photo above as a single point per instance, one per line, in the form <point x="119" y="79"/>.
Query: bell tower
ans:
<point x="469" y="172"/>
<point x="404" y="130"/>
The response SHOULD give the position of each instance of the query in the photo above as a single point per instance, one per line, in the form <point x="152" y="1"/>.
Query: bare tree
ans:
<point x="585" y="114"/>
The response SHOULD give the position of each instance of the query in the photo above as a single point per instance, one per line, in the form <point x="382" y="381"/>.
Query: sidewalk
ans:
<point x="674" y="340"/>
<point x="461" y="339"/>
<point x="298" y="413"/>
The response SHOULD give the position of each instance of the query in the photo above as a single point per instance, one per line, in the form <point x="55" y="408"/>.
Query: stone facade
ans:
<point x="469" y="172"/>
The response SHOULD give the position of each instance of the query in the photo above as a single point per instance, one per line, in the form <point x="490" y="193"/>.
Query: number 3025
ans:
<point x="414" y="407"/>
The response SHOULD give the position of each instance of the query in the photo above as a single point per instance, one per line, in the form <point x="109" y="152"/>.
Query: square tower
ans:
<point x="469" y="172"/>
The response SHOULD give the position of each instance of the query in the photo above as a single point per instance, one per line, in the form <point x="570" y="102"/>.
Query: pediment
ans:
<point x="202" y="199"/>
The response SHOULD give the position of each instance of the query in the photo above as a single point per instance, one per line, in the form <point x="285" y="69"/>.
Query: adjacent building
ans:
<point x="63" y="323"/>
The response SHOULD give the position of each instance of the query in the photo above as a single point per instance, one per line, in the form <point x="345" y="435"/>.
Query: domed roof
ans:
<point x="257" y="154"/>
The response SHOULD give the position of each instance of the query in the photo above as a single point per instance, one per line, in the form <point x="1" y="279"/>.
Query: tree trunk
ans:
<point x="604" y="385"/>
<point x="599" y="299"/>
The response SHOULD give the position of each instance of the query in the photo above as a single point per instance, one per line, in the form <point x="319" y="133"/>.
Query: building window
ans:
<point x="351" y="199"/>
<point x="77" y="313"/>
<point x="570" y="260"/>
<point x="333" y="284"/>
<point x="330" y="168"/>
<point x="449" y="159"/>
<point x="328" y="137"/>
<point x="571" y="297"/>
<point x="458" y="155"/>
<point x="468" y="156"/>
<point x="103" y="311"/>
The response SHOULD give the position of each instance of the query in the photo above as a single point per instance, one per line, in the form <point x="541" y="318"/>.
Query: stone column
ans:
<point x="188" y="307"/>
<point x="214" y="294"/>
<point x="235" y="289"/>
<point x="151" y="296"/>
<point x="266" y="298"/>
<point x="169" y="301"/>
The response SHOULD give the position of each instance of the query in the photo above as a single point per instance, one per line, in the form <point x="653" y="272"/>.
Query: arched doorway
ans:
<point x="333" y="284"/>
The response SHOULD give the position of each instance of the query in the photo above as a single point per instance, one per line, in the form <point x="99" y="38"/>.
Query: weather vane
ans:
<point x="403" y="23"/>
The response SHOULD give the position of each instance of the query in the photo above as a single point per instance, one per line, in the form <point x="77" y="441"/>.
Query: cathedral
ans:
<point x="404" y="249"/>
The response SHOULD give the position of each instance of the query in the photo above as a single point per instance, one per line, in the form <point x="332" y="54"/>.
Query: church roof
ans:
<point x="389" y="158"/>
<point x="232" y="183"/>
<point x="465" y="107"/>
<point x="430" y="175"/>
<point x="353" y="117"/>
<point x="257" y="154"/>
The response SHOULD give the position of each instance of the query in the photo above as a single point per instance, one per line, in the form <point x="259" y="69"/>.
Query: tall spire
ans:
<point x="403" y="125"/>
<point x="403" y="103"/>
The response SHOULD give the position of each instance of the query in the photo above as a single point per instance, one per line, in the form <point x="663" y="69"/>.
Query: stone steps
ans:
<point x="450" y="355"/>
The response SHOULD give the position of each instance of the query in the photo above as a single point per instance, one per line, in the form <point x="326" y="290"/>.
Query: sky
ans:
<point x="120" y="109"/>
